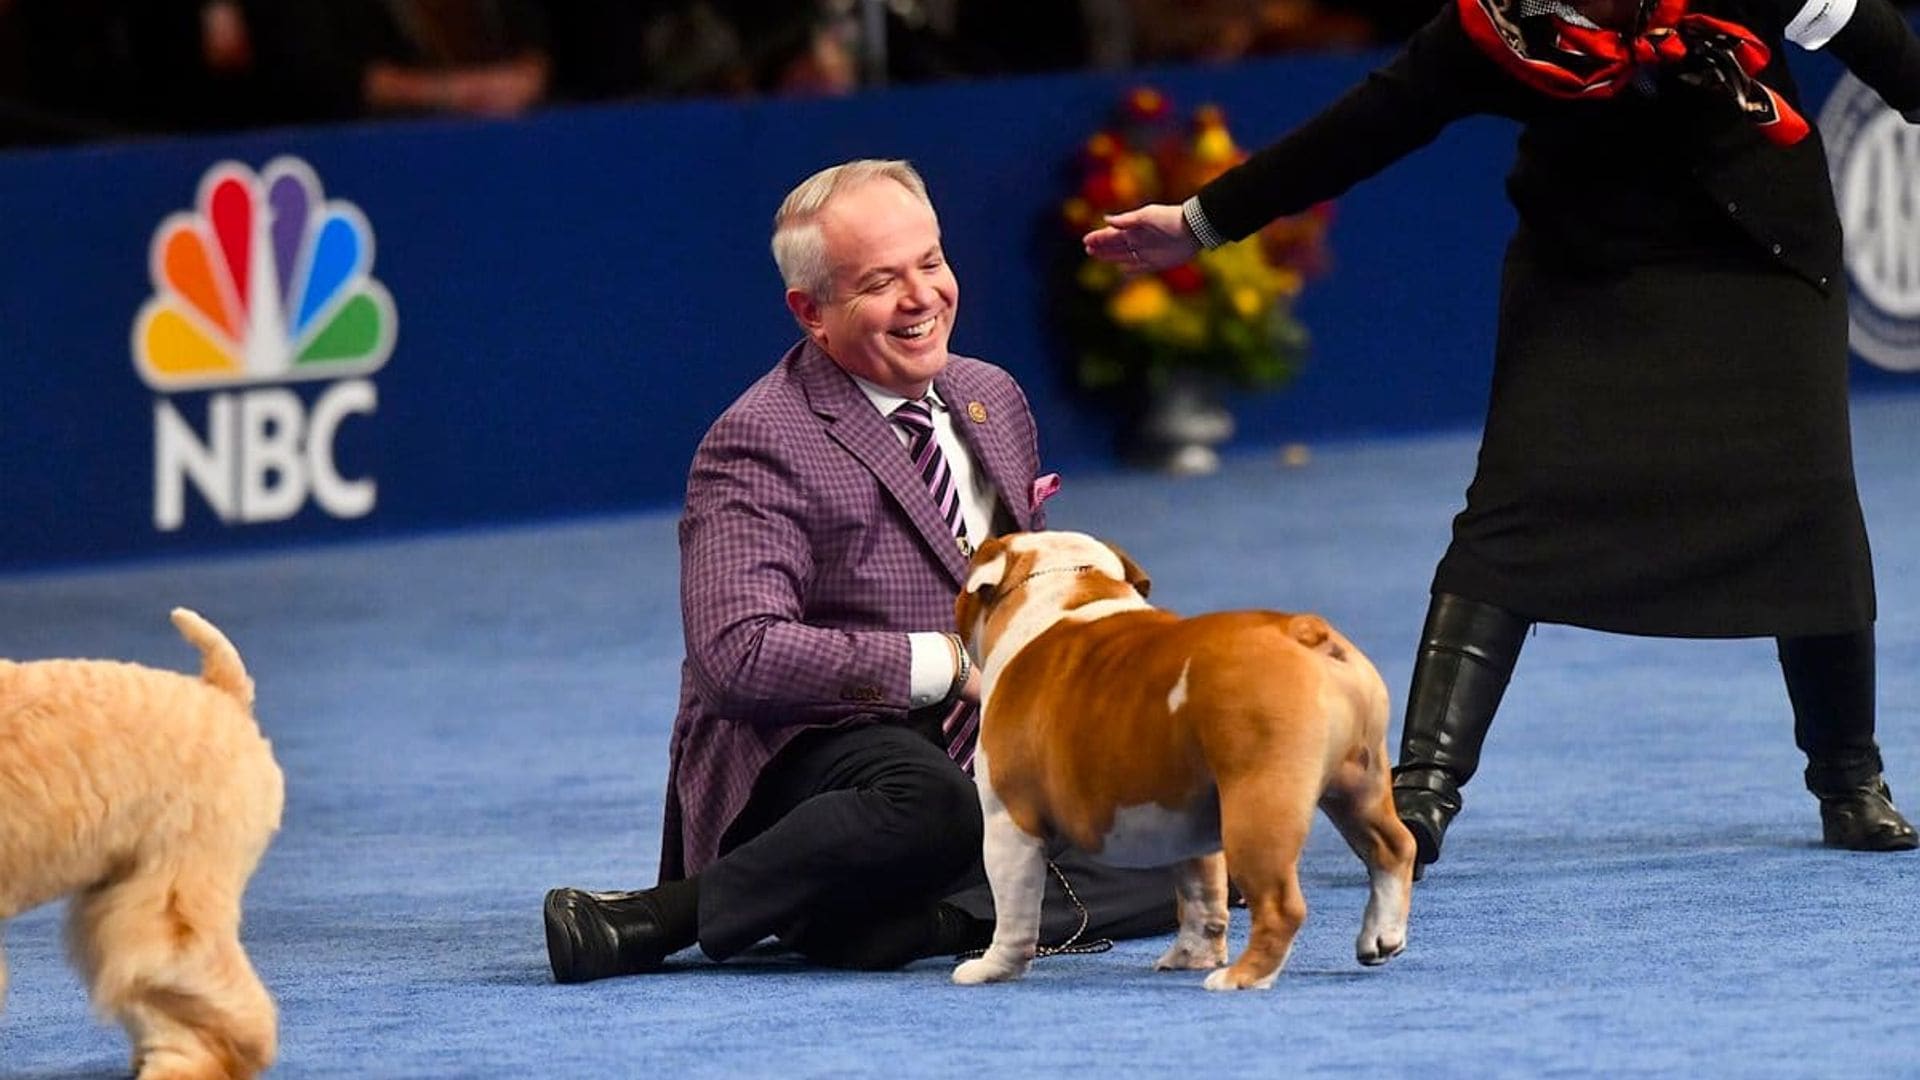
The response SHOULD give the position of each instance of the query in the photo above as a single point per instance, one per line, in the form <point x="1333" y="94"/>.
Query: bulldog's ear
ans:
<point x="1135" y="576"/>
<point x="988" y="569"/>
<point x="984" y="576"/>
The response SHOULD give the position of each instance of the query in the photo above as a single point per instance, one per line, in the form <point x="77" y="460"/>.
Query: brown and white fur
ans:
<point x="148" y="797"/>
<point x="1146" y="739"/>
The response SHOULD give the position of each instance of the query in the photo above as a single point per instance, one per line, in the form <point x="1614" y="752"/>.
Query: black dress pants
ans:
<point x="856" y="825"/>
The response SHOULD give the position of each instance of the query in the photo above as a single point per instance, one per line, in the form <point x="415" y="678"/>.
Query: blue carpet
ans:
<point x="1636" y="887"/>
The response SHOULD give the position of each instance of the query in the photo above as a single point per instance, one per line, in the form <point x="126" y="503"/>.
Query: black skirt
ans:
<point x="1667" y="452"/>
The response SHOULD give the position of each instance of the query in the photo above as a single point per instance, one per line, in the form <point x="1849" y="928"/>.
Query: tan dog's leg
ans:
<point x="1366" y="818"/>
<point x="1264" y="822"/>
<point x="1200" y="886"/>
<point x="162" y="954"/>
<point x="229" y="1016"/>
<point x="1017" y="871"/>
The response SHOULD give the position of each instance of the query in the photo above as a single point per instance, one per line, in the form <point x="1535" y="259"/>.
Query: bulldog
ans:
<point x="1146" y="739"/>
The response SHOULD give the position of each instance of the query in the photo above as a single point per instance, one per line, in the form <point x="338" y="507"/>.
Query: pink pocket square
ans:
<point x="1044" y="488"/>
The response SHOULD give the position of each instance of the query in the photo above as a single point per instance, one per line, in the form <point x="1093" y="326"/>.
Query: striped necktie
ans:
<point x="961" y="726"/>
<point x="916" y="419"/>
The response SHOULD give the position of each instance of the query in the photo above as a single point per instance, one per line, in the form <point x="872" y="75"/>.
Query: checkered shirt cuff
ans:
<point x="1203" y="229"/>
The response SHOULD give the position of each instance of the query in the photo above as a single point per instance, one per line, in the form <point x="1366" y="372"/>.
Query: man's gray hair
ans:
<point x="798" y="248"/>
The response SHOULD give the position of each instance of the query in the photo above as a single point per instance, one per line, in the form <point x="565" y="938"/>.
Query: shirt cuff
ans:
<point x="1818" y="21"/>
<point x="1203" y="229"/>
<point x="932" y="671"/>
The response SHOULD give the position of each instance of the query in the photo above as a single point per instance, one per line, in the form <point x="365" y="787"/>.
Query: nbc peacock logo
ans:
<point x="1874" y="157"/>
<point x="266" y="282"/>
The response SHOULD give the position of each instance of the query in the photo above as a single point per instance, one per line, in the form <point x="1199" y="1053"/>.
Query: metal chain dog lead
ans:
<point x="1069" y="946"/>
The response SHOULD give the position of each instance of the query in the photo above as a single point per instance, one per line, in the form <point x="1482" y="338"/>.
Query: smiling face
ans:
<point x="891" y="298"/>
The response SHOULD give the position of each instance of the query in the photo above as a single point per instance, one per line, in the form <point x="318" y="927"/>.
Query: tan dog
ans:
<point x="148" y="797"/>
<point x="1148" y="740"/>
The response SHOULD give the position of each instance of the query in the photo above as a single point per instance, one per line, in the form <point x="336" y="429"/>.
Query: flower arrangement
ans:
<point x="1228" y="314"/>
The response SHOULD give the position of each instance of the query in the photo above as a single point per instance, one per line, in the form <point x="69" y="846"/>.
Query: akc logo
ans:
<point x="265" y="282"/>
<point x="1874" y="156"/>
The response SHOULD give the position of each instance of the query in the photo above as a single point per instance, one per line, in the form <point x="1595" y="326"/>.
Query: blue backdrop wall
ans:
<point x="577" y="294"/>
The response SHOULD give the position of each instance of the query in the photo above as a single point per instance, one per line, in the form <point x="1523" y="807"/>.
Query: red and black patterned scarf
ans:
<point x="1547" y="51"/>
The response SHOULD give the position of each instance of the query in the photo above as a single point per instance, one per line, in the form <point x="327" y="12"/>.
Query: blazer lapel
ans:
<point x="992" y="444"/>
<point x="855" y="424"/>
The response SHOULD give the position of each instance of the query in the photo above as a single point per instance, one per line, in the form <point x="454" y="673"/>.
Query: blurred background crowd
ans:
<point x="75" y="70"/>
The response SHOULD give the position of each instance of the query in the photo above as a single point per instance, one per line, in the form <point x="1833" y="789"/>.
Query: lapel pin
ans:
<point x="976" y="412"/>
<point x="966" y="548"/>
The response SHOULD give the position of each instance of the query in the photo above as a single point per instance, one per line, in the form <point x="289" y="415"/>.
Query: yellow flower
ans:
<point x="1212" y="144"/>
<point x="1139" y="301"/>
<point x="1185" y="325"/>
<point x="1244" y="266"/>
<point x="1214" y="147"/>
<point x="1247" y="301"/>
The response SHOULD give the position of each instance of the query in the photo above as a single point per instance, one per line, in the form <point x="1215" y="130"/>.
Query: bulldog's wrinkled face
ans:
<point x="1031" y="580"/>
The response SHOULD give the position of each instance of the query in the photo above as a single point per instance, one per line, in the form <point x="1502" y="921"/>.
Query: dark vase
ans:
<point x="1178" y="424"/>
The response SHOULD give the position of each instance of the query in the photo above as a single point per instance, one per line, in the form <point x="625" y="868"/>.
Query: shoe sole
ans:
<point x="1906" y="842"/>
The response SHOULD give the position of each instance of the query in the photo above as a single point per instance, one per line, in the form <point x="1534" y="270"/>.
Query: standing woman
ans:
<point x="1667" y="448"/>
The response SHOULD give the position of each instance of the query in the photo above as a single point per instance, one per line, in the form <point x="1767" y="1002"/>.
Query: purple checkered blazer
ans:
<point x="807" y="550"/>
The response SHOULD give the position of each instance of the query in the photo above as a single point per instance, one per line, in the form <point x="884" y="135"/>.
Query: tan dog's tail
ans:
<point x="220" y="664"/>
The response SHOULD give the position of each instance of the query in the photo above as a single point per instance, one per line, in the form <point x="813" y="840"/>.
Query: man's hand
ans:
<point x="970" y="693"/>
<point x="1154" y="237"/>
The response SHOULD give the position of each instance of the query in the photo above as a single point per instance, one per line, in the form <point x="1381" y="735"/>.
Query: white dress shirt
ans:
<point x="933" y="665"/>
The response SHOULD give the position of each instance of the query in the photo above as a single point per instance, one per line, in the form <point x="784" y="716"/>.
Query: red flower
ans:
<point x="1184" y="279"/>
<point x="1098" y="191"/>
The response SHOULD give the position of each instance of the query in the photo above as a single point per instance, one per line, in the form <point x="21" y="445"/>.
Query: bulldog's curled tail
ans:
<point x="220" y="665"/>
<point x="1313" y="632"/>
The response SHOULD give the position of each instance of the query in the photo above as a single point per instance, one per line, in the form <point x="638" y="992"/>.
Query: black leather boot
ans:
<point x="1863" y="818"/>
<point x="1830" y="681"/>
<point x="1467" y="653"/>
<point x="595" y="935"/>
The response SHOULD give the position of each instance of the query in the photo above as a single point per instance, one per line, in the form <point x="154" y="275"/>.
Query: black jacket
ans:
<point x="1605" y="183"/>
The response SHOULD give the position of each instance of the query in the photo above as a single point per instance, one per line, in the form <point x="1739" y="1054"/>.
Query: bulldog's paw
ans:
<point x="1234" y="979"/>
<point x="1376" y="948"/>
<point x="986" y="970"/>
<point x="1192" y="955"/>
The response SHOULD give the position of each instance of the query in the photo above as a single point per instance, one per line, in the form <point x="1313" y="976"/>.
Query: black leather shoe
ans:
<point x="1426" y="801"/>
<point x="595" y="935"/>
<point x="1864" y="819"/>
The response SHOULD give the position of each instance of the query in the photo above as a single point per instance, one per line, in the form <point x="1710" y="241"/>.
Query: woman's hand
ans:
<point x="1153" y="237"/>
